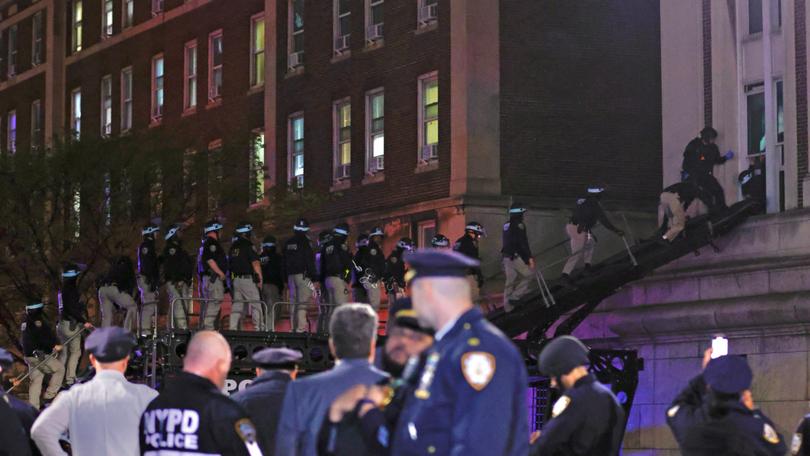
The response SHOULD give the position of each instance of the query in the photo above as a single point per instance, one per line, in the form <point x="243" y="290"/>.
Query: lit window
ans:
<point x="295" y="151"/>
<point x="157" y="87"/>
<point x="295" y="37"/>
<point x="342" y="25"/>
<point x="11" y="144"/>
<point x="12" y="51"/>
<point x="375" y="126"/>
<point x="780" y="112"/>
<point x="106" y="105"/>
<point x="755" y="113"/>
<point x="428" y="12"/>
<point x="36" y="123"/>
<point x="107" y="19"/>
<point x="428" y="116"/>
<point x="126" y="99"/>
<point x="257" y="51"/>
<point x="215" y="65"/>
<point x="37" y="39"/>
<point x="374" y="20"/>
<point x="76" y="36"/>
<point x="342" y="156"/>
<point x="157" y="7"/>
<point x="128" y="11"/>
<point x="257" y="174"/>
<point x="190" y="71"/>
<point x="76" y="112"/>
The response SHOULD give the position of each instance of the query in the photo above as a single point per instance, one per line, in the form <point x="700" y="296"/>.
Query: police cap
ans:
<point x="276" y="358"/>
<point x="269" y="241"/>
<point x="517" y="208"/>
<point x="362" y="240"/>
<point x="244" y="227"/>
<point x="6" y="360"/>
<point x="439" y="263"/>
<point x="150" y="229"/>
<point x="562" y="355"/>
<point x="301" y="225"/>
<point x="728" y="374"/>
<point x="476" y="227"/>
<point x="708" y="133"/>
<point x="36" y="306"/>
<point x="440" y="240"/>
<point x="172" y="231"/>
<point x="404" y="315"/>
<point x="324" y="236"/>
<point x="110" y="344"/>
<point x="212" y="225"/>
<point x="70" y="270"/>
<point x="376" y="231"/>
<point x="405" y="243"/>
<point x="341" y="229"/>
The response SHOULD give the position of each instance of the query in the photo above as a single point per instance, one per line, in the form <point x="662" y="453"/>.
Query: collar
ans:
<point x="452" y="327"/>
<point x="586" y="380"/>
<point x="186" y="378"/>
<point x="111" y="374"/>
<point x="351" y="363"/>
<point x="273" y="375"/>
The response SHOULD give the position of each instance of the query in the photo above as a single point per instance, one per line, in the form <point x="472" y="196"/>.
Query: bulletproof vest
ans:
<point x="239" y="257"/>
<point x="211" y="250"/>
<point x="332" y="262"/>
<point x="147" y="259"/>
<point x="296" y="253"/>
<point x="178" y="265"/>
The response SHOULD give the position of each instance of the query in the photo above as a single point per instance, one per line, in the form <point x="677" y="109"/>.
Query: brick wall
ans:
<point x="801" y="95"/>
<point x="581" y="99"/>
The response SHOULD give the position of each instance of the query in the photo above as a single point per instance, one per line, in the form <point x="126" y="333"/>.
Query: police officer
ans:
<point x="191" y="415"/>
<point x="440" y="241"/>
<point x="518" y="263"/>
<point x="587" y="419"/>
<point x="699" y="158"/>
<point x="211" y="266"/>
<point x="299" y="264"/>
<point x="752" y="181"/>
<point x="117" y="289"/>
<point x="246" y="276"/>
<point x="358" y="291"/>
<point x="148" y="276"/>
<point x="72" y="320"/>
<point x="11" y="440"/>
<point x="275" y="369"/>
<point x="715" y="413"/>
<point x="178" y="269"/>
<point x="336" y="267"/>
<point x="273" y="278"/>
<point x="39" y="346"/>
<point x="394" y="276"/>
<point x="321" y="293"/>
<point x="468" y="245"/>
<point x="372" y="262"/>
<point x="674" y="202"/>
<point x="587" y="214"/>
<point x="470" y="397"/>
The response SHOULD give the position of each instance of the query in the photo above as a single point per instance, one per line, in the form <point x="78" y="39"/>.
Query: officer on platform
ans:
<point x="518" y="263"/>
<point x="72" y="320"/>
<point x="373" y="265"/>
<point x="299" y="263"/>
<point x="440" y="241"/>
<point x="336" y="268"/>
<point x="148" y="276"/>
<point x="178" y="269"/>
<point x="117" y="289"/>
<point x="273" y="278"/>
<point x="468" y="245"/>
<point x="470" y="397"/>
<point x="38" y="343"/>
<point x="699" y="158"/>
<point x="358" y="291"/>
<point x="275" y="369"/>
<point x="394" y="276"/>
<point x="587" y="419"/>
<point x="752" y="181"/>
<point x="211" y="267"/>
<point x="715" y="413"/>
<point x="321" y="293"/>
<point x="246" y="276"/>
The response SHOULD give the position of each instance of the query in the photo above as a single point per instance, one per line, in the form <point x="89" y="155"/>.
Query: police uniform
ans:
<point x="25" y="413"/>
<point x="263" y="398"/>
<point x="299" y="264"/>
<point x="191" y="416"/>
<point x="395" y="270"/>
<point x="358" y="291"/>
<point x="336" y="268"/>
<point x="699" y="160"/>
<point x="213" y="286"/>
<point x="752" y="182"/>
<point x="674" y="202"/>
<point x="587" y="214"/>
<point x="707" y="423"/>
<point x="13" y="439"/>
<point x="516" y="255"/>
<point x="273" y="278"/>
<point x="372" y="262"/>
<point x="148" y="277"/>
<point x="38" y="342"/>
<point x="101" y="416"/>
<point x="800" y="445"/>
<point x="246" y="282"/>
<point x="178" y="269"/>
<point x="72" y="318"/>
<point x="117" y="289"/>
<point x="468" y="245"/>
<point x="587" y="419"/>
<point x="470" y="397"/>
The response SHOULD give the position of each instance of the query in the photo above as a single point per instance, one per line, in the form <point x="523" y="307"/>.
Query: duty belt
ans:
<point x="243" y="276"/>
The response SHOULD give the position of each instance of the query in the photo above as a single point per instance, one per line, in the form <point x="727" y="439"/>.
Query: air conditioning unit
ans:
<point x="299" y="181"/>
<point x="428" y="14"/>
<point x="377" y="164"/>
<point x="342" y="172"/>
<point x="295" y="60"/>
<point x="430" y="152"/>
<point x="342" y="44"/>
<point x="374" y="33"/>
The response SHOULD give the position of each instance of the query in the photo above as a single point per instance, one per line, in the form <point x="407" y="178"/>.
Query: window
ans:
<point x="106" y="105"/>
<point x="375" y="128"/>
<point x="107" y="19"/>
<point x="776" y="14"/>
<point x="190" y="72"/>
<point x="257" y="174"/>
<point x="157" y="7"/>
<point x="128" y="11"/>
<point x="374" y="20"/>
<point x="76" y="112"/>
<point x="37" y="39"/>
<point x="342" y="134"/>
<point x="189" y="177"/>
<point x="11" y="138"/>
<point x="295" y="151"/>
<point x="295" y="37"/>
<point x="157" y="87"/>
<point x="126" y="99"/>
<point x="215" y="65"/>
<point x="780" y="112"/>
<point x="429" y="116"/>
<point x="12" y="51"/>
<point x="755" y="107"/>
<point x="257" y="51"/>
<point x="215" y="175"/>
<point x="428" y="12"/>
<point x="427" y="230"/>
<point x="76" y="36"/>
<point x="754" y="16"/>
<point x="36" y="123"/>
<point x="341" y="26"/>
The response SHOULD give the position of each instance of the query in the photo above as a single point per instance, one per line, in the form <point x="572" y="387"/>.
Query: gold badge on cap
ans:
<point x="769" y="434"/>
<point x="478" y="369"/>
<point x="673" y="411"/>
<point x="562" y="403"/>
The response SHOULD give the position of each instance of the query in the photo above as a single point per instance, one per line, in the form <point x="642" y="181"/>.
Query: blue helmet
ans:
<point x="301" y="225"/>
<point x="212" y="225"/>
<point x="150" y="229"/>
<point x="244" y="227"/>
<point x="172" y="231"/>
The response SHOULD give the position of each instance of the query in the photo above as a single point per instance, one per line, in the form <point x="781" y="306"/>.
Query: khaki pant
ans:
<point x="338" y="294"/>
<point x="149" y="301"/>
<point x="300" y="298"/>
<point x="582" y="245"/>
<point x="271" y="295"/>
<point x="110" y="295"/>
<point x="245" y="290"/>
<point x="213" y="290"/>
<point x="72" y="351"/>
<point x="373" y="293"/>
<point x="181" y="291"/>
<point x="518" y="279"/>
<point x="671" y="208"/>
<point x="51" y="367"/>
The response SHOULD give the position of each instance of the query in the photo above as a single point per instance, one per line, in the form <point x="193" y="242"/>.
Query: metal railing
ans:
<point x="206" y="300"/>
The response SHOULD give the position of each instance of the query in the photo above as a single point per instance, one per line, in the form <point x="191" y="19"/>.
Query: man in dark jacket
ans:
<point x="518" y="262"/>
<point x="275" y="368"/>
<point x="299" y="264"/>
<point x="674" y="202"/>
<point x="39" y="342"/>
<point x="336" y="270"/>
<point x="178" y="269"/>
<point x="26" y="414"/>
<point x="699" y="159"/>
<point x="273" y="275"/>
<point x="72" y="320"/>
<point x="394" y="276"/>
<point x="587" y="214"/>
<point x="372" y="263"/>
<point x="468" y="245"/>
<point x="358" y="274"/>
<point x="148" y="277"/>
<point x="117" y="289"/>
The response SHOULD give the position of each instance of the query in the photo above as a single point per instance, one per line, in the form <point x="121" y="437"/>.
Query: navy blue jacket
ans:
<point x="515" y="240"/>
<point x="263" y="400"/>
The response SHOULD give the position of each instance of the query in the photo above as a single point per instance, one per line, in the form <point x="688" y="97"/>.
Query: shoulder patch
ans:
<point x="330" y="249"/>
<point x="292" y="246"/>
<point x="769" y="434"/>
<point x="172" y="251"/>
<point x="372" y="252"/>
<point x="673" y="411"/>
<point x="144" y="250"/>
<point x="562" y="403"/>
<point x="521" y="226"/>
<point x="796" y="444"/>
<point x="344" y="247"/>
<point x="212" y="248"/>
<point x="247" y="433"/>
<point x="393" y="259"/>
<point x="478" y="369"/>
<point x="581" y="201"/>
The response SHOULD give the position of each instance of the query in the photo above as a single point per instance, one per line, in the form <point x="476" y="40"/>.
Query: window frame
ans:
<point x="215" y="179"/>
<point x="369" y="6"/>
<point x="421" y="21"/>
<point x="76" y="114"/>
<point x="36" y="123"/>
<point x="107" y="19"/>
<point x="13" y="42"/>
<point x="189" y="92"/>
<point x="37" y="40"/>
<point x="256" y="77"/>
<point x="76" y="27"/>
<point x="338" y="142"/>
<point x="127" y="14"/>
<point x="157" y="88"/>
<point x="337" y="37"/>
<point x="423" y="119"/>
<point x="212" y="97"/>
<point x="423" y="240"/>
<point x="11" y="133"/>
<point x="371" y="133"/>
<point x="291" y="35"/>
<point x="106" y="111"/>
<point x="126" y="103"/>
<point x="292" y="178"/>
